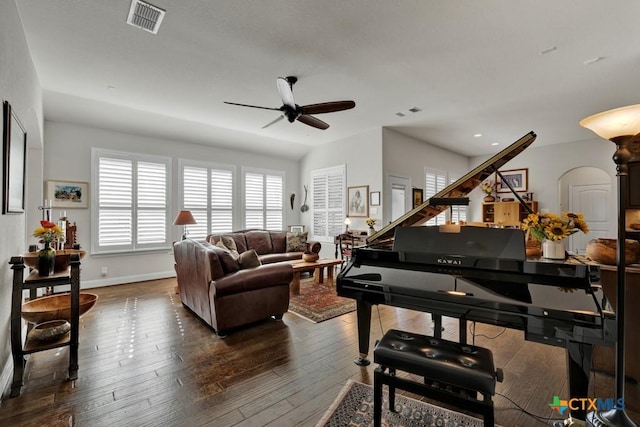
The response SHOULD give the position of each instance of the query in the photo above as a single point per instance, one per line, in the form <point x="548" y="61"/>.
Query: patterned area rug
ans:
<point x="354" y="407"/>
<point x="319" y="302"/>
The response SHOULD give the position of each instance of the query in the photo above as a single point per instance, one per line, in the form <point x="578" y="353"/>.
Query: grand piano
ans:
<point x="480" y="274"/>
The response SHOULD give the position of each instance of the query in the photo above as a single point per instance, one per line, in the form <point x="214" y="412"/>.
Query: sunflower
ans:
<point x="556" y="230"/>
<point x="549" y="226"/>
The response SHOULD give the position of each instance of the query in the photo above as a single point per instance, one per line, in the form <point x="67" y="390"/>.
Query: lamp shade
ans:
<point x="624" y="121"/>
<point x="184" y="218"/>
<point x="347" y="221"/>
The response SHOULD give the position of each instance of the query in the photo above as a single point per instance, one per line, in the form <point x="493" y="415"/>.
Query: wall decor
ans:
<point x="518" y="178"/>
<point x="374" y="198"/>
<point x="14" y="142"/>
<point x="67" y="194"/>
<point x="417" y="197"/>
<point x="296" y="228"/>
<point x="358" y="201"/>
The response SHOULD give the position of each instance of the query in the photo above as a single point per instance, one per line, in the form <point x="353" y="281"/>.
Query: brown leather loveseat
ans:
<point x="214" y="287"/>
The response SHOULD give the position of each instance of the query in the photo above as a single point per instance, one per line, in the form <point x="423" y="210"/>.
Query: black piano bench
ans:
<point x="454" y="373"/>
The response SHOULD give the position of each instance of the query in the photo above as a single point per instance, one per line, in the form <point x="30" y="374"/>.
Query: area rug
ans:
<point x="354" y="407"/>
<point x="319" y="302"/>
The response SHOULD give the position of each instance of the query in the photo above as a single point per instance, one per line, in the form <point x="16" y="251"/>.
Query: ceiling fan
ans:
<point x="301" y="113"/>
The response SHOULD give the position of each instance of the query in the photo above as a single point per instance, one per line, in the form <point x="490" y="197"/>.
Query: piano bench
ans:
<point x="454" y="373"/>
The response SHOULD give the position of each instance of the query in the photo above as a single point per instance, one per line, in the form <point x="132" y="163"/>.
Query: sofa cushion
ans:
<point x="249" y="259"/>
<point x="238" y="238"/>
<point x="259" y="240"/>
<point x="234" y="253"/>
<point x="296" y="242"/>
<point x="279" y="241"/>
<point x="229" y="263"/>
<point x="229" y="243"/>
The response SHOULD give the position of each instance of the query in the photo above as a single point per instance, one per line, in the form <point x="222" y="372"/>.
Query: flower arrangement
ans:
<point x="489" y="187"/>
<point x="550" y="226"/>
<point x="48" y="232"/>
<point x="371" y="222"/>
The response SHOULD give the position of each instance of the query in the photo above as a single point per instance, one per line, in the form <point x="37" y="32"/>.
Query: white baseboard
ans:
<point x="87" y="284"/>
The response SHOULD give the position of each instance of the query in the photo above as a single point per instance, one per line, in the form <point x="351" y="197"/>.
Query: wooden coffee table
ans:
<point x="318" y="271"/>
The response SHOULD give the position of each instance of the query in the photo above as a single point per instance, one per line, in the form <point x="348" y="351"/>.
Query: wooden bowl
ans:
<point x="310" y="257"/>
<point x="604" y="251"/>
<point x="55" y="307"/>
<point x="50" y="331"/>
<point x="63" y="258"/>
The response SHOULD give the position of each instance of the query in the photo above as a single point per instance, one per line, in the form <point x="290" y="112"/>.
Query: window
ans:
<point x="207" y="191"/>
<point x="131" y="203"/>
<point x="263" y="199"/>
<point x="329" y="195"/>
<point x="436" y="181"/>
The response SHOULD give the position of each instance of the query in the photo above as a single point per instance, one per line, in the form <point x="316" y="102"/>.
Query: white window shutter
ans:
<point x="328" y="190"/>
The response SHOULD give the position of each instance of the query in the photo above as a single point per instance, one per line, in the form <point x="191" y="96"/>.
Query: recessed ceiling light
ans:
<point x="495" y="143"/>
<point x="477" y="135"/>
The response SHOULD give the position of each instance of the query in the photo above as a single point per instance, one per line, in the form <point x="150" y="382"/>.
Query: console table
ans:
<point x="71" y="276"/>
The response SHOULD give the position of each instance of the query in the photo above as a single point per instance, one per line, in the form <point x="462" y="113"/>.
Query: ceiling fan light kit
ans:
<point x="301" y="113"/>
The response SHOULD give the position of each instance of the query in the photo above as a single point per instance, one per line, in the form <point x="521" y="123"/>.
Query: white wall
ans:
<point x="408" y="157"/>
<point x="362" y="154"/>
<point x="68" y="158"/>
<point x="19" y="85"/>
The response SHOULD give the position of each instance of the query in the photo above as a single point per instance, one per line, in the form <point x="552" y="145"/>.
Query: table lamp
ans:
<point x="622" y="127"/>
<point x="347" y="223"/>
<point x="184" y="218"/>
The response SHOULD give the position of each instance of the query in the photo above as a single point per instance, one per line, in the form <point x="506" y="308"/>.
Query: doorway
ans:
<point x="400" y="200"/>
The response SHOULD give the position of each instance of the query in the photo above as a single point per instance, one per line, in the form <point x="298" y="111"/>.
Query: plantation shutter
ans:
<point x="435" y="181"/>
<point x="328" y="190"/>
<point x="221" y="201"/>
<point x="132" y="202"/>
<point x="458" y="213"/>
<point x="263" y="197"/>
<point x="194" y="199"/>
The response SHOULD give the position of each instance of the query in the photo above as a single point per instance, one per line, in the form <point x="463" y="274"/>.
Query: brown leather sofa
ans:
<point x="224" y="296"/>
<point x="271" y="246"/>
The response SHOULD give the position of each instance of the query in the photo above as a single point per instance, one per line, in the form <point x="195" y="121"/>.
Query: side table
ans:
<point x="71" y="276"/>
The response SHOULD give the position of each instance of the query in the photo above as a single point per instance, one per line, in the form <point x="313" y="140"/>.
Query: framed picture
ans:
<point x="417" y="197"/>
<point x="296" y="228"/>
<point x="518" y="179"/>
<point x="67" y="194"/>
<point x="358" y="201"/>
<point x="374" y="198"/>
<point x="14" y="143"/>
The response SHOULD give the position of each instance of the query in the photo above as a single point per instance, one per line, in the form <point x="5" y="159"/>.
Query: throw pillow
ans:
<point x="249" y="259"/>
<point x="297" y="242"/>
<point x="229" y="243"/>
<point x="233" y="252"/>
<point x="229" y="263"/>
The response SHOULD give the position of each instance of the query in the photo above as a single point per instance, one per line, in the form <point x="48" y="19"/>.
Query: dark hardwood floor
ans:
<point x="147" y="361"/>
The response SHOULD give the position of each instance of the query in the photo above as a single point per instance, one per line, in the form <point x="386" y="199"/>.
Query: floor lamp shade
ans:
<point x="184" y="218"/>
<point x="621" y="126"/>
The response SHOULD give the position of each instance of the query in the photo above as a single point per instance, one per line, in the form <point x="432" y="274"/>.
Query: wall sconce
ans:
<point x="621" y="126"/>
<point x="347" y="223"/>
<point x="184" y="218"/>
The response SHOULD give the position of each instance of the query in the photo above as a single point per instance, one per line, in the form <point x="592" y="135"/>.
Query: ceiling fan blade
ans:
<point x="273" y="122"/>
<point x="286" y="92"/>
<point x="327" y="107"/>
<point x="252" y="106"/>
<point x="312" y="121"/>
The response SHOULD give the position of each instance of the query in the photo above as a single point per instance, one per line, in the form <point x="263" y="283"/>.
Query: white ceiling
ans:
<point x="471" y="66"/>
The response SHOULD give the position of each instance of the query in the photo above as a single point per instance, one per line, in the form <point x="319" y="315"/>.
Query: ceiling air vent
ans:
<point x="145" y="16"/>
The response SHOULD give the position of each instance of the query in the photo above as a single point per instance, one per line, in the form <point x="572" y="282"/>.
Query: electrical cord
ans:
<point x="537" y="417"/>
<point x="472" y="331"/>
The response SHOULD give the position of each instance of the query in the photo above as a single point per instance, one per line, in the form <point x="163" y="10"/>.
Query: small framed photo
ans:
<point x="296" y="228"/>
<point x="517" y="178"/>
<point x="14" y="144"/>
<point x="67" y="194"/>
<point x="374" y="198"/>
<point x="417" y="197"/>
<point x="358" y="201"/>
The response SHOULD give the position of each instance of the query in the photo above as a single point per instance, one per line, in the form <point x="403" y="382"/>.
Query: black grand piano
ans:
<point x="480" y="274"/>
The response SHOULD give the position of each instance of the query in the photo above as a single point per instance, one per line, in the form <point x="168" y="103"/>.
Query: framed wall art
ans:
<point x="358" y="201"/>
<point x="14" y="144"/>
<point x="67" y="194"/>
<point x="374" y="198"/>
<point x="417" y="197"/>
<point x="518" y="179"/>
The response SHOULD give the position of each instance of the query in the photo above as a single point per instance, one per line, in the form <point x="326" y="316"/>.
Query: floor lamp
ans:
<point x="621" y="126"/>
<point x="184" y="218"/>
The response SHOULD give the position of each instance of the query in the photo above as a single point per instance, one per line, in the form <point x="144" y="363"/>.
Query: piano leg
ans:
<point x="578" y="370"/>
<point x="364" y="330"/>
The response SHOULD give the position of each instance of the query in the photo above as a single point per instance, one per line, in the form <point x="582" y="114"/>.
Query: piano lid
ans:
<point x="460" y="188"/>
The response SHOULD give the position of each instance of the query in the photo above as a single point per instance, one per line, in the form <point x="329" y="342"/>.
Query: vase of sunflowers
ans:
<point x="551" y="230"/>
<point x="48" y="233"/>
<point x="371" y="222"/>
<point x="488" y="188"/>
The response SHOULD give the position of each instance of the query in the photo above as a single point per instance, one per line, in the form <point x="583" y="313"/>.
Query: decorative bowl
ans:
<point x="49" y="331"/>
<point x="604" y="251"/>
<point x="508" y="199"/>
<point x="55" y="307"/>
<point x="63" y="258"/>
<point x="310" y="257"/>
